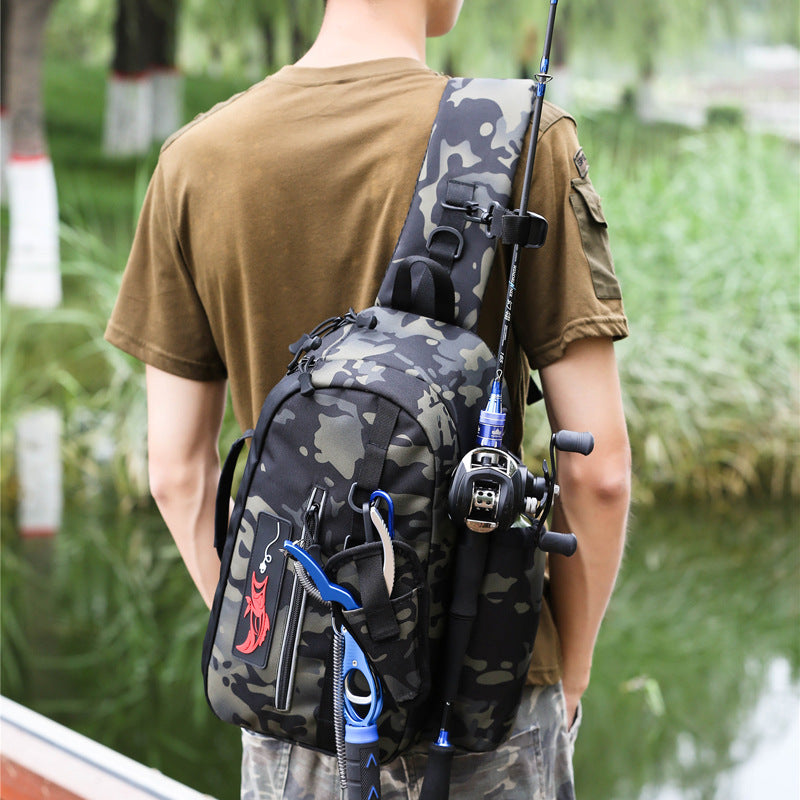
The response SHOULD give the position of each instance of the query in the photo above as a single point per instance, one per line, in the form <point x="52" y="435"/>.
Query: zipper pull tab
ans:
<point x="304" y="375"/>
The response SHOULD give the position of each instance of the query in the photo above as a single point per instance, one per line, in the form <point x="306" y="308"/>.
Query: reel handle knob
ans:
<point x="564" y="544"/>
<point x="574" y="442"/>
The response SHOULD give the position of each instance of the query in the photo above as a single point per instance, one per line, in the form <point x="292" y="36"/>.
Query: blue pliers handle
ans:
<point x="361" y="729"/>
<point x="329" y="591"/>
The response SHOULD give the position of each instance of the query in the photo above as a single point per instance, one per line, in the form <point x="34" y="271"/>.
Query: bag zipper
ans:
<point x="287" y="664"/>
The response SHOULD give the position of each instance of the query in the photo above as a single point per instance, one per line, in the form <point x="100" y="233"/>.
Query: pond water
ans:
<point x="696" y="684"/>
<point x="695" y="692"/>
<point x="766" y="750"/>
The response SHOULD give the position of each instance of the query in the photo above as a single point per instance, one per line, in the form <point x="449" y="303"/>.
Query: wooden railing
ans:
<point x="40" y="759"/>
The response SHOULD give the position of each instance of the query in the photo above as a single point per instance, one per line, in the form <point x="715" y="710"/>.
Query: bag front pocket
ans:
<point x="401" y="659"/>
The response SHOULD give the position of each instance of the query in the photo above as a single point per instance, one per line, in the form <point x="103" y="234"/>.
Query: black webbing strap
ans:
<point x="424" y="286"/>
<point x="446" y="241"/>
<point x="223" y="503"/>
<point x="378" y="611"/>
<point x="369" y="476"/>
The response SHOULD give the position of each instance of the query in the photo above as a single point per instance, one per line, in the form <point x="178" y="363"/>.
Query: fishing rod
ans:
<point x="490" y="487"/>
<point x="542" y="78"/>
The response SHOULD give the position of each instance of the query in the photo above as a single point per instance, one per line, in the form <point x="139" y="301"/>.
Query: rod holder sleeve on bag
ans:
<point x="469" y="568"/>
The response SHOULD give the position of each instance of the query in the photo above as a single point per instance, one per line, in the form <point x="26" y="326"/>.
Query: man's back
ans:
<point x="285" y="204"/>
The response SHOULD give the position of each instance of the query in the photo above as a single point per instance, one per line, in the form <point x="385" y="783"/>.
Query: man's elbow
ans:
<point x="173" y="480"/>
<point x="605" y="476"/>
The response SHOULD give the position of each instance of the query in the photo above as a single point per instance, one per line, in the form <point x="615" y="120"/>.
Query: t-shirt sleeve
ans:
<point x="158" y="316"/>
<point x="567" y="289"/>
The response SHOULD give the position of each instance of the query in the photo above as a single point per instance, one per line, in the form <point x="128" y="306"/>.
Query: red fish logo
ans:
<point x="259" y="621"/>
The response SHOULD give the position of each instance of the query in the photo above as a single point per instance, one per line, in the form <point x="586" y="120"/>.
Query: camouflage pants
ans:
<point x="534" y="764"/>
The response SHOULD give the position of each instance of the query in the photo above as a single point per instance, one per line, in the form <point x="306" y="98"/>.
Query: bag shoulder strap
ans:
<point x="223" y="501"/>
<point x="443" y="257"/>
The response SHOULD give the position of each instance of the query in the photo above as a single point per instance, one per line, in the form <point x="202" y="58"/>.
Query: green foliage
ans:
<point x="81" y="31"/>
<point x="782" y="18"/>
<point x="725" y="115"/>
<point x="641" y="32"/>
<point x="250" y="37"/>
<point x="704" y="231"/>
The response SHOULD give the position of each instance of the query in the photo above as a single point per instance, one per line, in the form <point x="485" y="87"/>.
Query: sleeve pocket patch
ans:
<point x="594" y="236"/>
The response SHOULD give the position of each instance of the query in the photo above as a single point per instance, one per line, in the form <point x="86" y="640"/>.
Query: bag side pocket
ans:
<point x="496" y="665"/>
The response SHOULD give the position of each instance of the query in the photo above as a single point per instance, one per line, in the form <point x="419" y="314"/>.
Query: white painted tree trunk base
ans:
<point x="128" y="129"/>
<point x="167" y="103"/>
<point x="5" y="152"/>
<point x="39" y="471"/>
<point x="33" y="276"/>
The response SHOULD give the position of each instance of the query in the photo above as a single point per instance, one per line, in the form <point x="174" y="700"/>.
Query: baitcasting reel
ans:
<point x="490" y="488"/>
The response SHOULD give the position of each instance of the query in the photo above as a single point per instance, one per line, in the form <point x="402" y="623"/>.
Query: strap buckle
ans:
<point x="474" y="212"/>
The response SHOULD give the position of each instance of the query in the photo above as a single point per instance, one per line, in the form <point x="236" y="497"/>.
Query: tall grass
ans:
<point x="704" y="228"/>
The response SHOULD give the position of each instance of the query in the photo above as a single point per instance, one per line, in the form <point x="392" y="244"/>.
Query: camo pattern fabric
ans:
<point x="534" y="764"/>
<point x="436" y="374"/>
<point x="476" y="139"/>
<point x="496" y="663"/>
<point x="385" y="384"/>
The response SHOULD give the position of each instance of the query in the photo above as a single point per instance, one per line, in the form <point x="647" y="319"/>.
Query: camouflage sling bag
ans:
<point x="376" y="410"/>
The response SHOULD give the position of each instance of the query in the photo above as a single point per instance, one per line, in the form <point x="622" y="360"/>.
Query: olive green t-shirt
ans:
<point x="282" y="207"/>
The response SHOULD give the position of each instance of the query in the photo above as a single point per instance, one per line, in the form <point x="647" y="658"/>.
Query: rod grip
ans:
<point x="362" y="764"/>
<point x="575" y="442"/>
<point x="436" y="784"/>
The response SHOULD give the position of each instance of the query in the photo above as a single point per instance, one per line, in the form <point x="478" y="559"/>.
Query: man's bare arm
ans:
<point x="184" y="420"/>
<point x="582" y="393"/>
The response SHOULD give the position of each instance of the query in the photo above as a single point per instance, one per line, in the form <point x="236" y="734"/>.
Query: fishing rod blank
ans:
<point x="542" y="79"/>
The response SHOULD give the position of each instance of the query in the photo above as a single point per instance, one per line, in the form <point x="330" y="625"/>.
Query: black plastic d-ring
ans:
<point x="447" y="229"/>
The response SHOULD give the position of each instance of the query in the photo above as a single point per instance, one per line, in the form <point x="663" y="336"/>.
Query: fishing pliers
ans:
<point x="360" y="709"/>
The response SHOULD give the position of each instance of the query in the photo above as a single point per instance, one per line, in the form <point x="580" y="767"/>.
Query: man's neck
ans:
<point x="359" y="30"/>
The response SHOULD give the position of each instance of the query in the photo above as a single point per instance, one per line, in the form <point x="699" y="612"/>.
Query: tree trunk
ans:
<point x="167" y="80"/>
<point x="27" y="20"/>
<point x="144" y="96"/>
<point x="32" y="272"/>
<point x="5" y="130"/>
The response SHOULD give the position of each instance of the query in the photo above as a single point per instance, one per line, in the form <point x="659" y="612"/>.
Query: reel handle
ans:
<point x="565" y="544"/>
<point x="574" y="442"/>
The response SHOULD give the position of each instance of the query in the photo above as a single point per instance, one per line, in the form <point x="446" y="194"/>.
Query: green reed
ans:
<point x="704" y="228"/>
